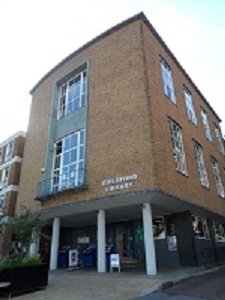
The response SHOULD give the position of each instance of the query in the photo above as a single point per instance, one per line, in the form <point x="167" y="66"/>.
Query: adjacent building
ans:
<point x="11" y="156"/>
<point x="122" y="148"/>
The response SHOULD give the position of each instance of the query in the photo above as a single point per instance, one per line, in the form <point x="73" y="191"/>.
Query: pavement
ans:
<point x="90" y="285"/>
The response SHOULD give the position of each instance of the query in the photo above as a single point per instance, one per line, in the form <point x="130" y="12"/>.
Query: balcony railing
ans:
<point x="61" y="183"/>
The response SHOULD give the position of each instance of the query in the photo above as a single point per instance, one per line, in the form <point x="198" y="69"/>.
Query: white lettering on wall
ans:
<point x="118" y="183"/>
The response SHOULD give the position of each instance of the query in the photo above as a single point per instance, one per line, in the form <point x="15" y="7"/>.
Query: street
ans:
<point x="210" y="287"/>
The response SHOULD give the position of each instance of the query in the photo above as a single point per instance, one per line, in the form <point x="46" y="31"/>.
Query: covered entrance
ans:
<point x="149" y="233"/>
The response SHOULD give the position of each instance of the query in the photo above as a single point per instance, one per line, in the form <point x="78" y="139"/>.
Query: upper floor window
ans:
<point x="68" y="171"/>
<point x="219" y="140"/>
<point x="190" y="107"/>
<point x="178" y="148"/>
<point x="217" y="177"/>
<point x="2" y="204"/>
<point x="72" y="94"/>
<point x="167" y="81"/>
<point x="201" y="165"/>
<point x="1" y="155"/>
<point x="9" y="151"/>
<point x="206" y="125"/>
<point x="4" y="177"/>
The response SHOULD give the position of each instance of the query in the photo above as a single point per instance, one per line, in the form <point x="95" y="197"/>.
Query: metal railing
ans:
<point x="60" y="183"/>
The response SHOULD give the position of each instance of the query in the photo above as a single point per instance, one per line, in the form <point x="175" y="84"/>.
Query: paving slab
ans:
<point x="90" y="285"/>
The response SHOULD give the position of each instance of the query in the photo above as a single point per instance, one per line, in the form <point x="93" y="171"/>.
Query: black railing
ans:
<point x="60" y="183"/>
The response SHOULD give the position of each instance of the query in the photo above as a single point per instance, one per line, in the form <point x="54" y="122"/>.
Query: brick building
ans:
<point x="11" y="155"/>
<point x="121" y="139"/>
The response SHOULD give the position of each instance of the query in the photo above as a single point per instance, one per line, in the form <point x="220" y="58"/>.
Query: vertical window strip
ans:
<point x="167" y="81"/>
<point x="72" y="94"/>
<point x="201" y="165"/>
<point x="217" y="177"/>
<point x="190" y="107"/>
<point x="219" y="140"/>
<point x="69" y="161"/>
<point x="9" y="151"/>
<point x="206" y="125"/>
<point x="178" y="149"/>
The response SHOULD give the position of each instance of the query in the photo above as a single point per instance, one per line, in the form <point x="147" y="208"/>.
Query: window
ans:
<point x="200" y="227"/>
<point x="9" y="151"/>
<point x="219" y="232"/>
<point x="201" y="165"/>
<point x="2" y="204"/>
<point x="190" y="107"/>
<point x="158" y="226"/>
<point x="219" y="140"/>
<point x="5" y="177"/>
<point x="178" y="149"/>
<point x="72" y="94"/>
<point x="216" y="174"/>
<point x="1" y="155"/>
<point x="69" y="161"/>
<point x="167" y="81"/>
<point x="206" y="125"/>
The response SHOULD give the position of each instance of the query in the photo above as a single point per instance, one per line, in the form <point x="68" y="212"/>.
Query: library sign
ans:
<point x="119" y="183"/>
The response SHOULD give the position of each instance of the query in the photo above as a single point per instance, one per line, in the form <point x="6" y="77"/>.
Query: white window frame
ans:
<point x="178" y="147"/>
<point x="9" y="151"/>
<point x="217" y="177"/>
<point x="219" y="140"/>
<point x="5" y="176"/>
<point x="68" y="172"/>
<point x="68" y="101"/>
<point x="201" y="165"/>
<point x="190" y="106"/>
<point x="205" y="122"/>
<point x="167" y="80"/>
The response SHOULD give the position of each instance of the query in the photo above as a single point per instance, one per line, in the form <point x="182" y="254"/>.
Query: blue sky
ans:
<point x="37" y="34"/>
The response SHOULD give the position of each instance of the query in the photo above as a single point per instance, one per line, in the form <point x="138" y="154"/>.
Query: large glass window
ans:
<point x="190" y="107"/>
<point x="219" y="140"/>
<point x="167" y="81"/>
<point x="178" y="148"/>
<point x="201" y="165"/>
<point x="217" y="177"/>
<point x="69" y="161"/>
<point x="73" y="94"/>
<point x="206" y="125"/>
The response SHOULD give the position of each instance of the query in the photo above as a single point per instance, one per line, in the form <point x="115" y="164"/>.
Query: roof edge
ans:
<point x="139" y="16"/>
<point x="88" y="44"/>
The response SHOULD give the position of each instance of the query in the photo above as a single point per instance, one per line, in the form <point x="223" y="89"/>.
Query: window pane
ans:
<point x="73" y="155"/>
<point x="66" y="158"/>
<point x="82" y="137"/>
<point x="81" y="152"/>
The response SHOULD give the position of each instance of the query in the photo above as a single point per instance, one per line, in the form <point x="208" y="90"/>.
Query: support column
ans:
<point x="149" y="240"/>
<point x="54" y="244"/>
<point x="101" y="241"/>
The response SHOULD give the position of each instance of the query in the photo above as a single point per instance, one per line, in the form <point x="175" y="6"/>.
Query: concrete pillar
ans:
<point x="149" y="240"/>
<point x="54" y="244"/>
<point x="101" y="241"/>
